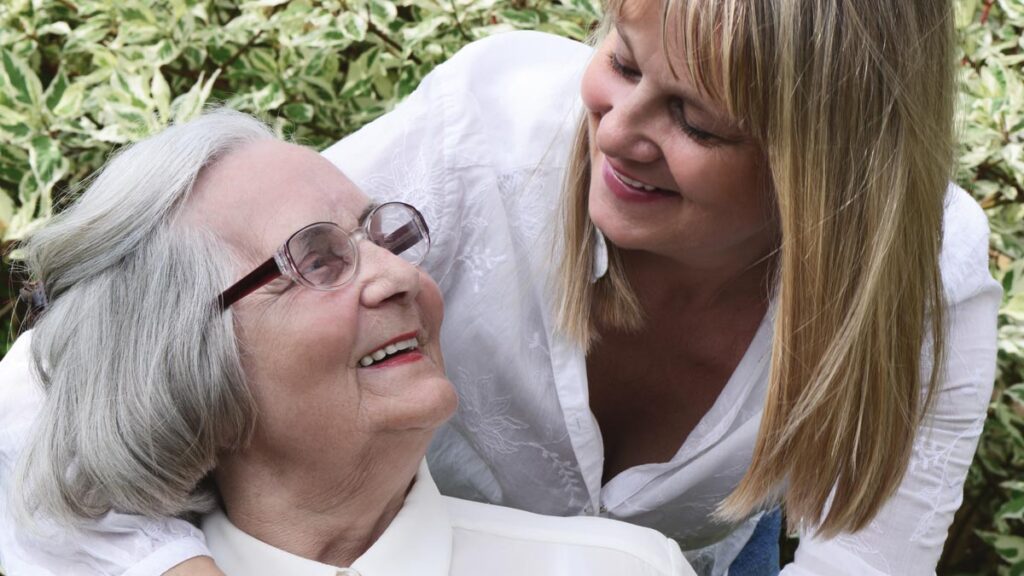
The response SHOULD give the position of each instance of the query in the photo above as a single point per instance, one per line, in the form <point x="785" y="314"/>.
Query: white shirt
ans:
<point x="434" y="535"/>
<point x="480" y="148"/>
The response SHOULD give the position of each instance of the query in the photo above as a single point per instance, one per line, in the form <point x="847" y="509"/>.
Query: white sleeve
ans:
<point x="907" y="536"/>
<point x="116" y="544"/>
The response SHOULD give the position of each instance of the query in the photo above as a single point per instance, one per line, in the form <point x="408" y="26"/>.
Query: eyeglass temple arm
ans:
<point x="402" y="239"/>
<point x="250" y="283"/>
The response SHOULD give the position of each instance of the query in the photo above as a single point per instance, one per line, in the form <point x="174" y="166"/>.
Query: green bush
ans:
<point x="80" y="77"/>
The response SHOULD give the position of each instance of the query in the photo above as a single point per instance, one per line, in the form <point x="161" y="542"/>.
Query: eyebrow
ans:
<point x="686" y="95"/>
<point x="366" y="212"/>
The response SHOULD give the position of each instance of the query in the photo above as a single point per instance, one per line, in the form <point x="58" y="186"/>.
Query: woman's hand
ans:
<point x="198" y="566"/>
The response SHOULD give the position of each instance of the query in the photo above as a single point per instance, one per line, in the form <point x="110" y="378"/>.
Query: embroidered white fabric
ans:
<point x="480" y="147"/>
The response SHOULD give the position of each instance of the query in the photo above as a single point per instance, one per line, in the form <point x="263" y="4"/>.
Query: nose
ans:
<point x="621" y="133"/>
<point x="386" y="277"/>
<point x="621" y="117"/>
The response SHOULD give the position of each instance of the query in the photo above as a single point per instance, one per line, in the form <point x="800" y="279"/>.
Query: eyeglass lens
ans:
<point x="324" y="256"/>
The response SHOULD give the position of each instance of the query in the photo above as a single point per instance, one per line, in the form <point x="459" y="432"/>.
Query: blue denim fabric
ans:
<point x="760" y="557"/>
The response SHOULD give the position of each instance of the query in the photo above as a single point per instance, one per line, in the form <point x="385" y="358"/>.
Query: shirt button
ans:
<point x="347" y="572"/>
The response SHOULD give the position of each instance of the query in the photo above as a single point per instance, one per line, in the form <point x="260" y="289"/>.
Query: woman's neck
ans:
<point x="332" y="518"/>
<point x="663" y="284"/>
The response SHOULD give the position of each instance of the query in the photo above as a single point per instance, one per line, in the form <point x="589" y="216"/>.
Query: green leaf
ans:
<point x="1010" y="548"/>
<point x="268" y="98"/>
<point x="164" y="52"/>
<point x="55" y="91"/>
<point x="20" y="81"/>
<point x="300" y="113"/>
<point x="1016" y="392"/>
<point x="522" y="18"/>
<point x="56" y="28"/>
<point x="161" y="93"/>
<point x="263" y="3"/>
<point x="6" y="211"/>
<point x="1012" y="510"/>
<point x="189" y="105"/>
<point x="965" y="10"/>
<point x="1014" y="307"/>
<point x="383" y="11"/>
<point x="48" y="165"/>
<point x="70" y="102"/>
<point x="352" y="25"/>
<point x="25" y="218"/>
<point x="263" y="60"/>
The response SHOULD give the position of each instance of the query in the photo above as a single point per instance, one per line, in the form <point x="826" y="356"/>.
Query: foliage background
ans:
<point x="80" y="77"/>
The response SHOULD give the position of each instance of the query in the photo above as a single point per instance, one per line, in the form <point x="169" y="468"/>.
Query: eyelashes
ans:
<point x="700" y="136"/>
<point x="676" y="106"/>
<point x="621" y="69"/>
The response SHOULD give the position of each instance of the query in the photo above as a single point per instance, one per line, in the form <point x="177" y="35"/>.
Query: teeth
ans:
<point x="635" y="183"/>
<point x="390" y="349"/>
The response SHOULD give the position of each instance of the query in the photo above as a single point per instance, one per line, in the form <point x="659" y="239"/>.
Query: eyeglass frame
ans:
<point x="281" y="263"/>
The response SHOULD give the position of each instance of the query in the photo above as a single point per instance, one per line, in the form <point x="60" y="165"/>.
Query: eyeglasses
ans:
<point x="322" y="256"/>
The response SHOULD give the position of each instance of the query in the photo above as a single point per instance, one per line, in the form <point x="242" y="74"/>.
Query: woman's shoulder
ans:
<point x="518" y="88"/>
<point x="537" y="52"/>
<point x="582" y="541"/>
<point x="505" y="100"/>
<point x="964" y="257"/>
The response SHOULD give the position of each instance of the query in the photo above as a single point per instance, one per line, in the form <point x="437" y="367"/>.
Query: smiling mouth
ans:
<point x="631" y="190"/>
<point x="634" y="183"/>
<point x="384" y="353"/>
<point x="637" y="184"/>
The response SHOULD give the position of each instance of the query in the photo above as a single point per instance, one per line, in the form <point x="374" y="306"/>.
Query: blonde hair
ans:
<point x="853" y="105"/>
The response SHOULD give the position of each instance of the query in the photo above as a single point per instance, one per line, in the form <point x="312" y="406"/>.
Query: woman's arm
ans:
<point x="114" y="544"/>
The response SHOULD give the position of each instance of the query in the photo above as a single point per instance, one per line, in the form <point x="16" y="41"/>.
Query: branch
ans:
<point x="234" y="57"/>
<point x="987" y="171"/>
<point x="986" y="10"/>
<point x="70" y="5"/>
<point x="458" y="24"/>
<point x="389" y="41"/>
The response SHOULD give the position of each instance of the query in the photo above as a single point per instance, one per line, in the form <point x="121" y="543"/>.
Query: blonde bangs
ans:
<point x="724" y="50"/>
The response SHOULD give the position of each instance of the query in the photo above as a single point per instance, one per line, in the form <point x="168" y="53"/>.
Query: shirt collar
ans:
<point x="600" y="256"/>
<point x="418" y="541"/>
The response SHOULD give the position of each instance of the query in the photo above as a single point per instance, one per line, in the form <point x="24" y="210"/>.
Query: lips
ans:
<point x="399" y="350"/>
<point x="631" y="189"/>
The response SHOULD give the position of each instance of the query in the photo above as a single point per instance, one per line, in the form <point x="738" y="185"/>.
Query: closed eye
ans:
<point x="631" y="74"/>
<point x="698" y="135"/>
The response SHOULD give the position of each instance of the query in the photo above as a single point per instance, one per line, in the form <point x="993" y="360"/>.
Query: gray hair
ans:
<point x="142" y="371"/>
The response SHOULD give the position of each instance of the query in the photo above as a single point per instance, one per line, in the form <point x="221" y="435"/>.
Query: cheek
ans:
<point x="299" y="343"/>
<point x="431" y="306"/>
<point x="715" y="176"/>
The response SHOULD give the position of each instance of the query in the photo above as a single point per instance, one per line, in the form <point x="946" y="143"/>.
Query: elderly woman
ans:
<point x="233" y="328"/>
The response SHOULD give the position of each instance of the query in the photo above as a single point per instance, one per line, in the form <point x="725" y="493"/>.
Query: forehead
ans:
<point x="683" y="57"/>
<point x="256" y="196"/>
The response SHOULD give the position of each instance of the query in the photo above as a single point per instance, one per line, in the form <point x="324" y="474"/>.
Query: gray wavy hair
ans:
<point x="141" y="369"/>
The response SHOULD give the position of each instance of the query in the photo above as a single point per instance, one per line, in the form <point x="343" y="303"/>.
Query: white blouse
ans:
<point x="480" y="148"/>
<point x="435" y="535"/>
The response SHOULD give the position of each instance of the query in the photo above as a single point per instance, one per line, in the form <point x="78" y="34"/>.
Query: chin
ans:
<point x="427" y="407"/>
<point x="618" y="228"/>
